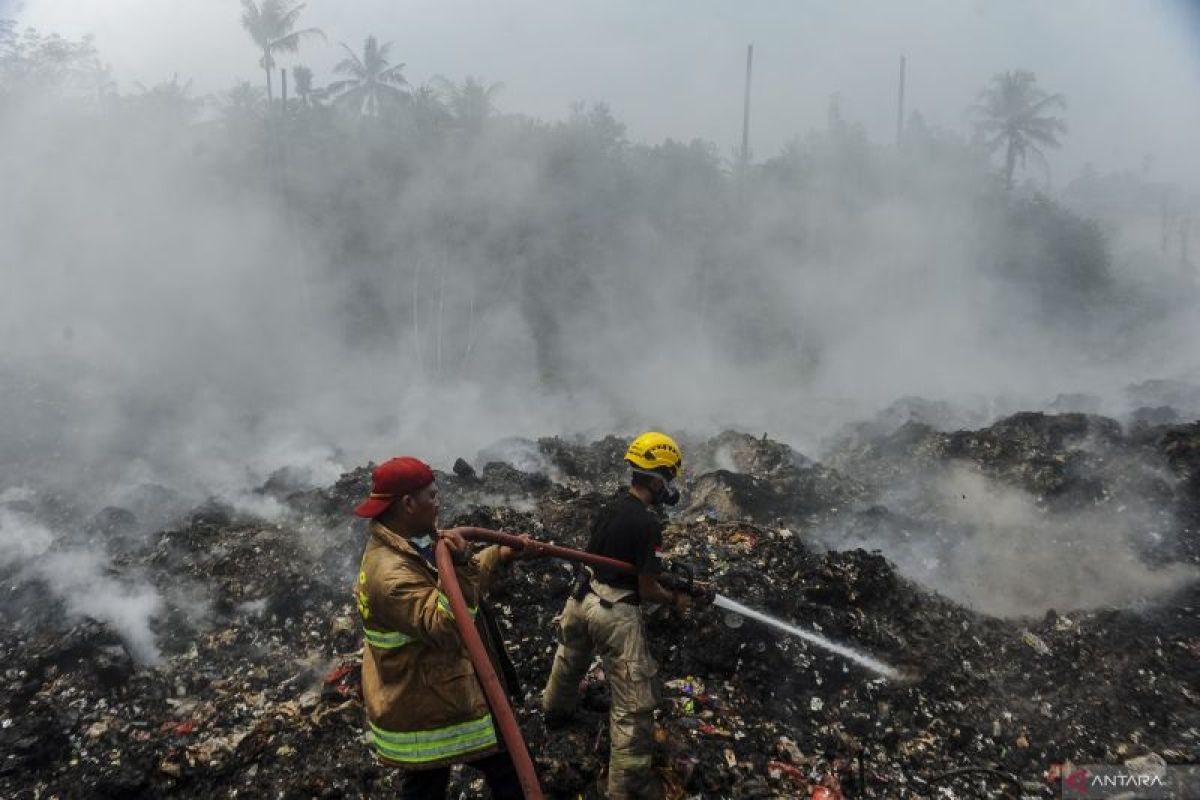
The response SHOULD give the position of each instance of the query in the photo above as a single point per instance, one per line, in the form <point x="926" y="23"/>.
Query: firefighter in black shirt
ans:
<point x="603" y="617"/>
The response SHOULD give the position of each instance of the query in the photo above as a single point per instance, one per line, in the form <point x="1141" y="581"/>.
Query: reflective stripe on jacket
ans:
<point x="425" y="707"/>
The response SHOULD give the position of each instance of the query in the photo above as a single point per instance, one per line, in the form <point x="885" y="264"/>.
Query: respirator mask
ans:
<point x="668" y="495"/>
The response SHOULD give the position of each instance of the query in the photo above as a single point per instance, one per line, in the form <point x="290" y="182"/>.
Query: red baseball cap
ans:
<point x="394" y="478"/>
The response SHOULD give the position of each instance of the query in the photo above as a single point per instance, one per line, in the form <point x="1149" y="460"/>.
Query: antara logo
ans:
<point x="1127" y="781"/>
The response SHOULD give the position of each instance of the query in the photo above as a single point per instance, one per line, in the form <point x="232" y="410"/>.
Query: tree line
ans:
<point x="439" y="220"/>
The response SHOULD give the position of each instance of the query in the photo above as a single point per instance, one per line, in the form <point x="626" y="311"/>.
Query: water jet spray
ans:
<point x="862" y="659"/>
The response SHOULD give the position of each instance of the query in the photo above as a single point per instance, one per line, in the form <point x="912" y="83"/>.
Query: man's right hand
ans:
<point x="455" y="540"/>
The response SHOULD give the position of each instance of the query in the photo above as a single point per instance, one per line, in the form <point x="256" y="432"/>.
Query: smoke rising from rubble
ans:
<point x="194" y="299"/>
<point x="990" y="547"/>
<point x="78" y="577"/>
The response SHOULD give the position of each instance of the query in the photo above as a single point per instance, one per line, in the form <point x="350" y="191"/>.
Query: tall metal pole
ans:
<point x="746" y="111"/>
<point x="1163" y="241"/>
<point x="1185" y="230"/>
<point x="900" y="108"/>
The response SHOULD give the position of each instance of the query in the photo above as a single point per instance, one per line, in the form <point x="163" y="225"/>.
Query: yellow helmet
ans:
<point x="655" y="452"/>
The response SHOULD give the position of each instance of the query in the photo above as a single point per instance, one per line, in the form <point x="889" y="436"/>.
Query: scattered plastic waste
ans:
<point x="1035" y="641"/>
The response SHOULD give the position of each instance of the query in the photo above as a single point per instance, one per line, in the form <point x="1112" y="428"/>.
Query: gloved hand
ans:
<point x="682" y="602"/>
<point x="703" y="595"/>
<point x="531" y="549"/>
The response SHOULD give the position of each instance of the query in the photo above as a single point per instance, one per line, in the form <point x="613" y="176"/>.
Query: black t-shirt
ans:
<point x="627" y="530"/>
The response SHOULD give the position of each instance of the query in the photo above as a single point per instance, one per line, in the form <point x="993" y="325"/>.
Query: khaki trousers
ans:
<point x="615" y="634"/>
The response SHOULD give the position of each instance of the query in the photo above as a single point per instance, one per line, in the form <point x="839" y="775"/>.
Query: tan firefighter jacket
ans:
<point x="425" y="706"/>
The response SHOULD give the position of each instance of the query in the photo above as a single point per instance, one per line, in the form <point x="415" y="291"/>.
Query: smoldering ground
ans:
<point x="992" y="547"/>
<point x="201" y="288"/>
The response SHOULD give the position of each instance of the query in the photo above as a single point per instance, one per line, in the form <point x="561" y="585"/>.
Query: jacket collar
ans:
<point x="400" y="544"/>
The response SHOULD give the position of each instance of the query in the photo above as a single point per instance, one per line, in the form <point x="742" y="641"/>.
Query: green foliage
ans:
<point x="428" y="115"/>
<point x="598" y="125"/>
<point x="1057" y="261"/>
<point x="168" y="99"/>
<point x="34" y="64"/>
<point x="470" y="103"/>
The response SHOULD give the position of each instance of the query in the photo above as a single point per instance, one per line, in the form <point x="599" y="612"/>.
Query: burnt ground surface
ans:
<point x="255" y="692"/>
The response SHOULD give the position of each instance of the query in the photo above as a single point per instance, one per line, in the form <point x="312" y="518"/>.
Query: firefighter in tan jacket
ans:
<point x="425" y="707"/>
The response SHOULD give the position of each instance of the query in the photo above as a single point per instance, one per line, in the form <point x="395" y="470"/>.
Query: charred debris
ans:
<point x="250" y="688"/>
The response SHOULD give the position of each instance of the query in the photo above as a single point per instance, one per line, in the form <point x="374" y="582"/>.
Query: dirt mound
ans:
<point x="795" y="495"/>
<point x="580" y="464"/>
<point x="732" y="451"/>
<point x="735" y="476"/>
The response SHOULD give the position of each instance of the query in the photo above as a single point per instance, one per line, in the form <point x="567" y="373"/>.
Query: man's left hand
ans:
<point x="703" y="594"/>
<point x="531" y="549"/>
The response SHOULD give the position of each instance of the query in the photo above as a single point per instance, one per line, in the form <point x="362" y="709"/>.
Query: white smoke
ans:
<point x="82" y="580"/>
<point x="994" y="548"/>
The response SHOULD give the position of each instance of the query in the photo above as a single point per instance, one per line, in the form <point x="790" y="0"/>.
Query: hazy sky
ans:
<point x="1130" y="71"/>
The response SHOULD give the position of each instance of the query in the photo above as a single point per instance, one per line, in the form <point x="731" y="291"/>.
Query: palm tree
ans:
<point x="429" y="114"/>
<point x="471" y="104"/>
<point x="1010" y="116"/>
<point x="372" y="81"/>
<point x="270" y="24"/>
<point x="302" y="77"/>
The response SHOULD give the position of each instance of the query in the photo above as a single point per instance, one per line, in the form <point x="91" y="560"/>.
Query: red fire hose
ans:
<point x="478" y="654"/>
<point x="568" y="553"/>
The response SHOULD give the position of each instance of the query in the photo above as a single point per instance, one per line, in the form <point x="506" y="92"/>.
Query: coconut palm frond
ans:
<point x="383" y="51"/>
<point x="394" y="75"/>
<point x="1011" y="115"/>
<point x="289" y="17"/>
<point x="291" y="42"/>
<point x="371" y="80"/>
<point x="251" y="17"/>
<point x="351" y="66"/>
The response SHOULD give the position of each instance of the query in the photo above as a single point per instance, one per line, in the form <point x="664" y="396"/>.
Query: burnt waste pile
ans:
<point x="1034" y="579"/>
